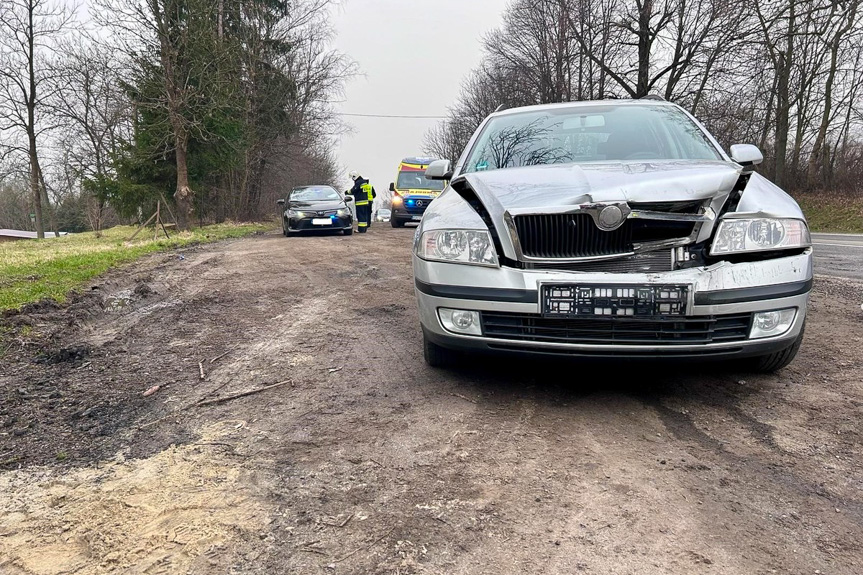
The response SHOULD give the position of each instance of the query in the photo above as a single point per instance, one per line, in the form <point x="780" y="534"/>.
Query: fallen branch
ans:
<point x="202" y="403"/>
<point x="201" y="369"/>
<point x="460" y="396"/>
<point x="239" y="395"/>
<point x="218" y="357"/>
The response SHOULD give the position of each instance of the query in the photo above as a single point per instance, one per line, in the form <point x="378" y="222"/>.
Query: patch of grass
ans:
<point x="832" y="213"/>
<point x="31" y="271"/>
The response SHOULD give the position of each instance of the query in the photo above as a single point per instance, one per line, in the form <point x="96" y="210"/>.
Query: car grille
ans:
<point x="658" y="261"/>
<point x="550" y="236"/>
<point x="627" y="331"/>
<point x="685" y="207"/>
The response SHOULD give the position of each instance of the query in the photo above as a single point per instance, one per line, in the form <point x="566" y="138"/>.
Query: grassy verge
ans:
<point x="31" y="271"/>
<point x="833" y="213"/>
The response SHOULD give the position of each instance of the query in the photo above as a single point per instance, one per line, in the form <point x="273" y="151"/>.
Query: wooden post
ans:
<point x="141" y="227"/>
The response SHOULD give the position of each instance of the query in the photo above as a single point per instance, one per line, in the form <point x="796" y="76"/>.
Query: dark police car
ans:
<point x="311" y="208"/>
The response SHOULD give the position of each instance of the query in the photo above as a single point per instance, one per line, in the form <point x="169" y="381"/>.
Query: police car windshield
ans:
<point x="315" y="193"/>
<point x="600" y="133"/>
<point x="417" y="181"/>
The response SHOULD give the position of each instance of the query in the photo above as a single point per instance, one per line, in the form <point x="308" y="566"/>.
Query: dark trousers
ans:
<point x="364" y="217"/>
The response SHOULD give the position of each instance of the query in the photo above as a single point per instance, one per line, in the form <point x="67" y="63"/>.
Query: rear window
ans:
<point x="589" y="134"/>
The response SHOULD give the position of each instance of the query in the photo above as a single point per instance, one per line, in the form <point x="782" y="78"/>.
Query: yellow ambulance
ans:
<point x="412" y="193"/>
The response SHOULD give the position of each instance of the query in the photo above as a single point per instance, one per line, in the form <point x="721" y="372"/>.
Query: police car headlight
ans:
<point x="343" y="213"/>
<point x="296" y="214"/>
<point x="458" y="247"/>
<point x="736" y="236"/>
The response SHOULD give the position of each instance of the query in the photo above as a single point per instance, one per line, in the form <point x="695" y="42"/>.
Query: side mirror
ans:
<point x="349" y="198"/>
<point x="439" y="170"/>
<point x="280" y="202"/>
<point x="747" y="156"/>
<point x="392" y="187"/>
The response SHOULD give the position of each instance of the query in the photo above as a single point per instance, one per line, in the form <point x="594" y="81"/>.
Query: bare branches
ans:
<point x="779" y="73"/>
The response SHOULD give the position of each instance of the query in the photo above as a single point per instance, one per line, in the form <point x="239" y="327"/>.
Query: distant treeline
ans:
<point x="215" y="106"/>
<point x="786" y="75"/>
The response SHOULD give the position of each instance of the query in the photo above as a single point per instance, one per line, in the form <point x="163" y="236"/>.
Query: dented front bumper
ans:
<point x="718" y="296"/>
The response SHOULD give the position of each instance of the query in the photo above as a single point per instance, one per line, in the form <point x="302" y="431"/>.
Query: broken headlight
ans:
<point x="458" y="247"/>
<point x="736" y="236"/>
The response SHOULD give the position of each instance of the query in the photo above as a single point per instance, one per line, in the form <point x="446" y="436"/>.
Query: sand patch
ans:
<point x="178" y="510"/>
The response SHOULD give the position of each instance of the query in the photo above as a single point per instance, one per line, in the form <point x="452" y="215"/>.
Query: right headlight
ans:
<point x="737" y="236"/>
<point x="458" y="247"/>
<point x="296" y="214"/>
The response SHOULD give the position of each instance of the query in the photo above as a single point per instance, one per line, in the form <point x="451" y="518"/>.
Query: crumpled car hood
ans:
<point x="538" y="188"/>
<point x="564" y="185"/>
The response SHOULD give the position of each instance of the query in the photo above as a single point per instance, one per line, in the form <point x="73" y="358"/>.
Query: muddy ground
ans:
<point x="367" y="461"/>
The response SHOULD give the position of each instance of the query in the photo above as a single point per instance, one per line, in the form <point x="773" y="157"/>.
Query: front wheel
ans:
<point x="396" y="223"/>
<point x="348" y="231"/>
<point x="437" y="356"/>
<point x="775" y="361"/>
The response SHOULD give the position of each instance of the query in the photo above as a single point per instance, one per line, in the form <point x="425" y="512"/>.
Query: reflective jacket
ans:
<point x="363" y="192"/>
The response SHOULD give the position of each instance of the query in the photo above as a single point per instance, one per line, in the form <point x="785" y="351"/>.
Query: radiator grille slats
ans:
<point x="657" y="261"/>
<point x="550" y="236"/>
<point x="630" y="331"/>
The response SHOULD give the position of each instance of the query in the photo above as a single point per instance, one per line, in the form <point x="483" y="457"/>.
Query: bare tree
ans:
<point x="28" y="28"/>
<point x="842" y="19"/>
<point x="93" y="120"/>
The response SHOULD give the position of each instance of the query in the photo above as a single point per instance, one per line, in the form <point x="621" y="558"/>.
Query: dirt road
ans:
<point x="368" y="461"/>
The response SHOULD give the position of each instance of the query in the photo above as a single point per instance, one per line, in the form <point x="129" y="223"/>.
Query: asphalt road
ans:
<point x="839" y="255"/>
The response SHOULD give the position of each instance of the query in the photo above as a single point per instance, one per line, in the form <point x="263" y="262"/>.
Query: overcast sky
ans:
<point x="412" y="57"/>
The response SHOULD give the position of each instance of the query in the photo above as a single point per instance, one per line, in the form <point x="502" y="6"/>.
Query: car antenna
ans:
<point x="501" y="107"/>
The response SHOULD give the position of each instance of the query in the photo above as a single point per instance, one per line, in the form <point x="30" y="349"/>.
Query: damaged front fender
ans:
<point x="762" y="198"/>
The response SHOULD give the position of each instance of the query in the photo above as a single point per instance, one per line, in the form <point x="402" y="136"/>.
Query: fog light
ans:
<point x="460" y="321"/>
<point x="772" y="323"/>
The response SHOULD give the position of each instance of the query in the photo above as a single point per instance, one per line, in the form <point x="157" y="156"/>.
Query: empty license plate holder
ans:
<point x="569" y="300"/>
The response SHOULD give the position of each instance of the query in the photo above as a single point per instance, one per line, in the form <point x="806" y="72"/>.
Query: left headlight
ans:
<point x="736" y="236"/>
<point x="343" y="213"/>
<point x="458" y="246"/>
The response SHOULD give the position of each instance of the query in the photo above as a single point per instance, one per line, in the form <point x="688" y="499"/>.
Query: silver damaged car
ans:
<point x="614" y="228"/>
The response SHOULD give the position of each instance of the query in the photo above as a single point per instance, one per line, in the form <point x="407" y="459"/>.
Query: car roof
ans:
<point x="646" y="102"/>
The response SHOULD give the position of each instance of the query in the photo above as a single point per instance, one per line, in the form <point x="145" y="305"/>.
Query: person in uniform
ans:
<point x="364" y="195"/>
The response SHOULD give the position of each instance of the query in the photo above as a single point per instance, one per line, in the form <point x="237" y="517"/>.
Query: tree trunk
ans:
<point x="645" y="11"/>
<point x="46" y="202"/>
<point x="783" y="100"/>
<point x="184" y="196"/>
<point x="35" y="190"/>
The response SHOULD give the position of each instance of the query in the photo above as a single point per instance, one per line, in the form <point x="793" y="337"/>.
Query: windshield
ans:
<point x="589" y="134"/>
<point x="313" y="193"/>
<point x="416" y="181"/>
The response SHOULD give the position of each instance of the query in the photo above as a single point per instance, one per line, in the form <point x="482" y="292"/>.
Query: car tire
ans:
<point x="349" y="231"/>
<point x="775" y="361"/>
<point x="396" y="223"/>
<point x="437" y="356"/>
